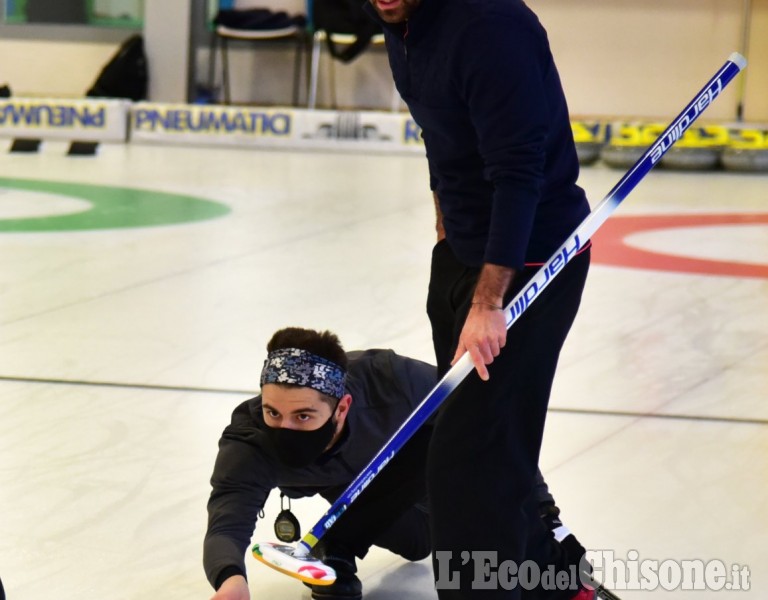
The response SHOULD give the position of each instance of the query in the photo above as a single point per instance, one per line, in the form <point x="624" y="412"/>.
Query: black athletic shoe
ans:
<point x="550" y="514"/>
<point x="571" y="547"/>
<point x="347" y="586"/>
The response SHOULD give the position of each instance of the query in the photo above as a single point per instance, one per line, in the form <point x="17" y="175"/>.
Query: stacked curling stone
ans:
<point x="747" y="151"/>
<point x="589" y="138"/>
<point x="699" y="149"/>
<point x="628" y="142"/>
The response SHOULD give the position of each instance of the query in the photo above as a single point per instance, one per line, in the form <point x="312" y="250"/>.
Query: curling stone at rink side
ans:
<point x="628" y="142"/>
<point x="589" y="138"/>
<point x="747" y="151"/>
<point x="699" y="149"/>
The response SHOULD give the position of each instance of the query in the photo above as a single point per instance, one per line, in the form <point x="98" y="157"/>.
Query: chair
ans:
<point x="223" y="34"/>
<point x="343" y="39"/>
<point x="347" y="31"/>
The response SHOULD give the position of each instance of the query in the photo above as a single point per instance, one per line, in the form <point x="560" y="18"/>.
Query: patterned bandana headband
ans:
<point x="298" y="367"/>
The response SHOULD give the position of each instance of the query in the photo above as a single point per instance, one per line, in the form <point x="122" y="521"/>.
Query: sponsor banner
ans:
<point x="369" y="131"/>
<point x="91" y="120"/>
<point x="217" y="125"/>
<point x="275" y="127"/>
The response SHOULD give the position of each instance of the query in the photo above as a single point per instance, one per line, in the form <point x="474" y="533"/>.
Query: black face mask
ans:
<point x="297" y="448"/>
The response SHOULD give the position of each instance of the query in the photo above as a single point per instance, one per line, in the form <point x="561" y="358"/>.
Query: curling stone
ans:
<point x="747" y="151"/>
<point x="628" y="142"/>
<point x="698" y="150"/>
<point x="588" y="140"/>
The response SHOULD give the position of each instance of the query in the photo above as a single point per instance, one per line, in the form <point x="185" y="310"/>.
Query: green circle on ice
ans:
<point x="110" y="207"/>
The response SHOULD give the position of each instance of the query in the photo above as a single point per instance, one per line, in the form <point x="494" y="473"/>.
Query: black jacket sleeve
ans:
<point x="243" y="476"/>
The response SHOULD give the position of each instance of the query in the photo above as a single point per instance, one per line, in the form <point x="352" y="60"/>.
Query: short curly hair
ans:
<point x="324" y="344"/>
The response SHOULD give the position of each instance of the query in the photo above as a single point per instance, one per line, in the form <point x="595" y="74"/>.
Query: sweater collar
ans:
<point x="418" y="23"/>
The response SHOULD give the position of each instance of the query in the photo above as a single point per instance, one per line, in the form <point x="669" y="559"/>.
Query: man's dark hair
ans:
<point x="321" y="343"/>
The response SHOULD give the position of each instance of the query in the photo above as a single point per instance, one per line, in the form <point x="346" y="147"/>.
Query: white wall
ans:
<point x="166" y="43"/>
<point x="644" y="58"/>
<point x="51" y="68"/>
<point x="616" y="57"/>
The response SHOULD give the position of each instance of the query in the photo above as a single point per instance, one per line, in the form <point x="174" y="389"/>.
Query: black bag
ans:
<point x="56" y="11"/>
<point x="257" y="19"/>
<point x="348" y="17"/>
<point x="125" y="76"/>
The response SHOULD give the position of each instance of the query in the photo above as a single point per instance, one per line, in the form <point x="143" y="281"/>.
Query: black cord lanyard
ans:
<point x="287" y="527"/>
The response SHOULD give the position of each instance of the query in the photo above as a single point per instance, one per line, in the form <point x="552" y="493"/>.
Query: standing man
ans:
<point x="479" y="79"/>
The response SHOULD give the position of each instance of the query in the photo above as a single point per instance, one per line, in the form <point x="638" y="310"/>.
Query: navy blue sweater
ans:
<point x="479" y="79"/>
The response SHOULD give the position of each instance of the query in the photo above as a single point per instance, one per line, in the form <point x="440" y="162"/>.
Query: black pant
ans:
<point x="484" y="451"/>
<point x="391" y="512"/>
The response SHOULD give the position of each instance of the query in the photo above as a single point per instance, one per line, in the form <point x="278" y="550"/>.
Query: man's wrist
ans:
<point x="488" y="305"/>
<point x="492" y="285"/>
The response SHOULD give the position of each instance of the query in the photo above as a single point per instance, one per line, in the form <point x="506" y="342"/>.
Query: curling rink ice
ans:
<point x="127" y="338"/>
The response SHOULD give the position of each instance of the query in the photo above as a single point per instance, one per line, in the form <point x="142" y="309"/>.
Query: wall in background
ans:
<point x="616" y="58"/>
<point x="52" y="68"/>
<point x="623" y="57"/>
<point x="757" y="79"/>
